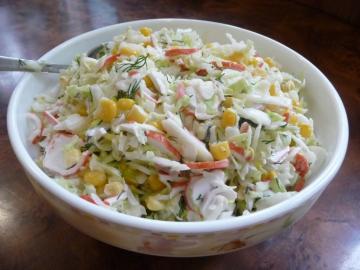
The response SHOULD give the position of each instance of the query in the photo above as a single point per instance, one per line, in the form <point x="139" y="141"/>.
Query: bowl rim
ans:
<point x="262" y="216"/>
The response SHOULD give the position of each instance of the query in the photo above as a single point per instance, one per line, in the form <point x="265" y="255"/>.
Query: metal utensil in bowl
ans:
<point x="26" y="65"/>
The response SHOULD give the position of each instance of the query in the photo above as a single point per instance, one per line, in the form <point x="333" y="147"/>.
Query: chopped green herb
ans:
<point x="199" y="198"/>
<point x="219" y="77"/>
<point x="131" y="91"/>
<point x="101" y="52"/>
<point x="182" y="205"/>
<point x="267" y="141"/>
<point x="207" y="136"/>
<point x="172" y="138"/>
<point x="167" y="78"/>
<point x="77" y="59"/>
<point x="86" y="147"/>
<point x="139" y="63"/>
<point x="240" y="207"/>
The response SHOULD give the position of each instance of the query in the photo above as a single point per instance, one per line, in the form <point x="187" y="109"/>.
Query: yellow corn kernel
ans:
<point x="100" y="190"/>
<point x="148" y="43"/>
<point x="295" y="103"/>
<point x="113" y="188"/>
<point x="137" y="114"/>
<point x="157" y="124"/>
<point x="220" y="150"/>
<point x="272" y="90"/>
<point x="155" y="183"/>
<point x="107" y="110"/>
<point x="228" y="118"/>
<point x="109" y="136"/>
<point x="124" y="104"/>
<point x="305" y="130"/>
<point x="293" y="119"/>
<point x="122" y="166"/>
<point x="270" y="62"/>
<point x="71" y="156"/>
<point x="82" y="172"/>
<point x="115" y="49"/>
<point x="235" y="57"/>
<point x="153" y="204"/>
<point x="96" y="178"/>
<point x="259" y="72"/>
<point x="287" y="86"/>
<point x="268" y="176"/>
<point x="146" y="31"/>
<point x="128" y="51"/>
<point x="129" y="175"/>
<point x="81" y="109"/>
<point x="149" y="83"/>
<point x="228" y="102"/>
<point x="252" y="61"/>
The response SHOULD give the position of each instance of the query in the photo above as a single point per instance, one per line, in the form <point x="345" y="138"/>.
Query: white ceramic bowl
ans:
<point x="190" y="238"/>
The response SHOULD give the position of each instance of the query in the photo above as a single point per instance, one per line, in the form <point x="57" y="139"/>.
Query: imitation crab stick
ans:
<point x="177" y="52"/>
<point x="208" y="165"/>
<point x="163" y="144"/>
<point x="301" y="165"/>
<point x="110" y="61"/>
<point x="229" y="65"/>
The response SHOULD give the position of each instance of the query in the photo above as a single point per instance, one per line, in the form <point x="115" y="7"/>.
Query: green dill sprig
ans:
<point x="102" y="51"/>
<point x="219" y="77"/>
<point x="139" y="63"/>
<point x="86" y="147"/>
<point x="178" y="41"/>
<point x="133" y="87"/>
<point x="165" y="43"/>
<point x="131" y="91"/>
<point x="207" y="136"/>
<point x="168" y="78"/>
<point x="200" y="198"/>
<point x="267" y="141"/>
<point x="78" y="59"/>
<point x="182" y="208"/>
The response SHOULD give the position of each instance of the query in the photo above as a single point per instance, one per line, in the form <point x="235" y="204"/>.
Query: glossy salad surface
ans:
<point x="164" y="126"/>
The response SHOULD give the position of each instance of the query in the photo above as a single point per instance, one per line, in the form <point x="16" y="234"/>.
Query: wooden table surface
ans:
<point x="32" y="236"/>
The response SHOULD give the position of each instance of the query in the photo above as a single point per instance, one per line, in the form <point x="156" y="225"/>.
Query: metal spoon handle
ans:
<point x="17" y="64"/>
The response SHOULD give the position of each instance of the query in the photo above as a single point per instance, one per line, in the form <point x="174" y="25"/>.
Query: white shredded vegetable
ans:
<point x="165" y="126"/>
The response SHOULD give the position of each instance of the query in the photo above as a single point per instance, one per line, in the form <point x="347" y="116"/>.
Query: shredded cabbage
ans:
<point x="142" y="130"/>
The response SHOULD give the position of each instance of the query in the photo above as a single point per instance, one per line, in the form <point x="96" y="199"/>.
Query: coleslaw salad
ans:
<point x="166" y="127"/>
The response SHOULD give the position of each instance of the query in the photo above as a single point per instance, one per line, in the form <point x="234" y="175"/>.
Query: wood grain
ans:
<point x="348" y="10"/>
<point x="328" y="237"/>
